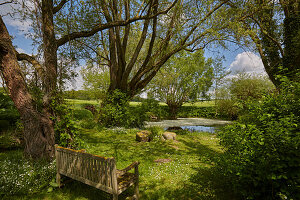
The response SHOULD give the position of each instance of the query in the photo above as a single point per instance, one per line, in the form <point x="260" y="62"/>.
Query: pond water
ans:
<point x="197" y="128"/>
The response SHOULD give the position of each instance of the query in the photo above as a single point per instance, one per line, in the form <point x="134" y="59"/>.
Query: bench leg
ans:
<point x="136" y="190"/>
<point x="58" y="177"/>
<point x="115" y="197"/>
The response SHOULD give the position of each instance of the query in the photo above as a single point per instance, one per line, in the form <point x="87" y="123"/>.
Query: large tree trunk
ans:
<point x="291" y="60"/>
<point x="50" y="52"/>
<point x="173" y="109"/>
<point x="38" y="128"/>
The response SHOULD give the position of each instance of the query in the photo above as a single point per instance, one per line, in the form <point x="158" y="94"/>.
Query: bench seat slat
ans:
<point x="88" y="182"/>
<point x="96" y="171"/>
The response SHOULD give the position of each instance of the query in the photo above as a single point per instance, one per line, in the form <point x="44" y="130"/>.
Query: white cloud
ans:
<point x="20" y="50"/>
<point x="13" y="18"/>
<point x="247" y="62"/>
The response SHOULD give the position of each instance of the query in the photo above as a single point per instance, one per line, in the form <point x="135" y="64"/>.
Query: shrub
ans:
<point x="156" y="132"/>
<point x="19" y="176"/>
<point x="261" y="156"/>
<point x="88" y="124"/>
<point x="82" y="114"/>
<point x="193" y="111"/>
<point x="116" y="112"/>
<point x="8" y="112"/>
<point x="66" y="130"/>
<point x="228" y="108"/>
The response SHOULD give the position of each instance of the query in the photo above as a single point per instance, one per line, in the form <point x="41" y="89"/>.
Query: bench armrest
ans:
<point x="123" y="171"/>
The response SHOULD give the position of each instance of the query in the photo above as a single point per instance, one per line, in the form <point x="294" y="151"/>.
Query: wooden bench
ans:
<point x="99" y="172"/>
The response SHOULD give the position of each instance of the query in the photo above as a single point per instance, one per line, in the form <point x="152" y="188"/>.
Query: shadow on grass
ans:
<point x="206" y="184"/>
<point x="76" y="190"/>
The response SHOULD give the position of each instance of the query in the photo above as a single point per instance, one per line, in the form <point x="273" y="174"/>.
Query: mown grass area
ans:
<point x="77" y="102"/>
<point x="189" y="175"/>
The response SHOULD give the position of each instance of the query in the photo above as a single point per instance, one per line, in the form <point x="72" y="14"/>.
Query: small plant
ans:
<point x="156" y="132"/>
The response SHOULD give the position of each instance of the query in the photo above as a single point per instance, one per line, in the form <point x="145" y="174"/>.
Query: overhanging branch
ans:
<point x="63" y="40"/>
<point x="59" y="6"/>
<point x="33" y="61"/>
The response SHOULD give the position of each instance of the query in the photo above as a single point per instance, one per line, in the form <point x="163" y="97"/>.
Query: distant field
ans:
<point x="201" y="104"/>
<point x="77" y="102"/>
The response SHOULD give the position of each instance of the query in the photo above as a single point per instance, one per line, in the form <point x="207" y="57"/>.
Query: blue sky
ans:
<point x="236" y="59"/>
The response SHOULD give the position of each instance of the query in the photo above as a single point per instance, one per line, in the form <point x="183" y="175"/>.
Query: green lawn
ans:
<point x="77" y="102"/>
<point x="190" y="174"/>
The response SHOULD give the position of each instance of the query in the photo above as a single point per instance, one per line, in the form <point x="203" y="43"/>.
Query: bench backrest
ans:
<point x="93" y="170"/>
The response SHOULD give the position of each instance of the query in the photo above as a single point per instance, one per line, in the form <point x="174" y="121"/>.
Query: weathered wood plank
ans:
<point x="88" y="182"/>
<point x="97" y="171"/>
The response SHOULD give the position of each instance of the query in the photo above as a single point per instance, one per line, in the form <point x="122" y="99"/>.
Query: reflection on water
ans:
<point x="210" y="129"/>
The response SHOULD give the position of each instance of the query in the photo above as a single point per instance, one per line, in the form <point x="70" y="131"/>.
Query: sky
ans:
<point x="236" y="59"/>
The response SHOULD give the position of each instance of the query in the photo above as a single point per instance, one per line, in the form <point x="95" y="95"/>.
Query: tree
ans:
<point x="134" y="53"/>
<point x="38" y="126"/>
<point x="234" y="95"/>
<point x="274" y="27"/>
<point x="96" y="81"/>
<point x="185" y="77"/>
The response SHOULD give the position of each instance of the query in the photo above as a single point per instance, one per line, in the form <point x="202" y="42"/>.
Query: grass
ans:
<point x="77" y="102"/>
<point x="190" y="174"/>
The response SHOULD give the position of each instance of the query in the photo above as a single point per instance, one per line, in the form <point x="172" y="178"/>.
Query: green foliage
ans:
<point x="185" y="77"/>
<point x="88" y="124"/>
<point x="194" y="111"/>
<point x="151" y="108"/>
<point x="156" y="132"/>
<point x="8" y="113"/>
<point x="9" y="140"/>
<point x="79" y="94"/>
<point x="261" y="156"/>
<point x="66" y="130"/>
<point x="19" y="176"/>
<point x="232" y="98"/>
<point x="82" y="114"/>
<point x="96" y="80"/>
<point x="115" y="111"/>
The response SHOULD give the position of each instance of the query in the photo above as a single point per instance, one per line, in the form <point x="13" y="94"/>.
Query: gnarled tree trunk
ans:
<point x="38" y="128"/>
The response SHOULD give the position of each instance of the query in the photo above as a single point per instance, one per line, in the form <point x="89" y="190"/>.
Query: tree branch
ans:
<point x="66" y="38"/>
<point x="59" y="6"/>
<point x="268" y="35"/>
<point x="38" y="67"/>
<point x="7" y="2"/>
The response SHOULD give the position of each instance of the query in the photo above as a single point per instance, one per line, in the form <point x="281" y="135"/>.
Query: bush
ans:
<point x="88" y="124"/>
<point x="82" y="114"/>
<point x="228" y="108"/>
<point x="156" y="132"/>
<point x="9" y="140"/>
<point x="151" y="108"/>
<point x="66" y="130"/>
<point x="19" y="176"/>
<point x="193" y="111"/>
<point x="8" y="112"/>
<point x="261" y="156"/>
<point x="116" y="112"/>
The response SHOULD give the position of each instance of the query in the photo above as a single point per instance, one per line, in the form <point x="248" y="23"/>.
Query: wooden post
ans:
<point x="58" y="176"/>
<point x="136" y="183"/>
<point x="113" y="176"/>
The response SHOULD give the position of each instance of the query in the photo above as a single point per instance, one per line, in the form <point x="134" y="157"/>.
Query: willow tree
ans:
<point x="134" y="53"/>
<point x="274" y="28"/>
<point x="185" y="77"/>
<point x="38" y="126"/>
